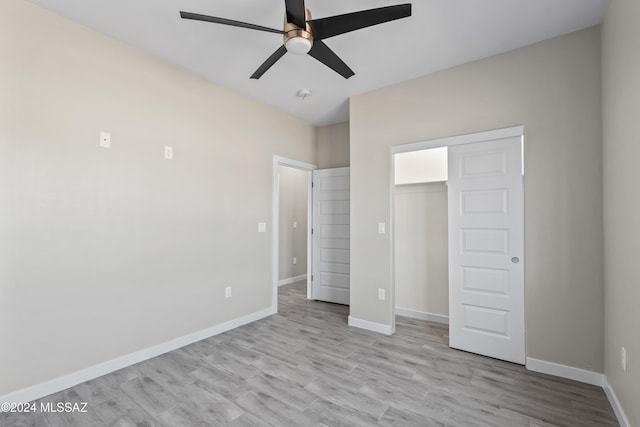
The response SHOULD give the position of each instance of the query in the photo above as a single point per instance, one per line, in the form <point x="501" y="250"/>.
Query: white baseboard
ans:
<point x="370" y="326"/>
<point x="422" y="315"/>
<point x="615" y="404"/>
<point x="46" y="388"/>
<point x="564" y="371"/>
<point x="291" y="280"/>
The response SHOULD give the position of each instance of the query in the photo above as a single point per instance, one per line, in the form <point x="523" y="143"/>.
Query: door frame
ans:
<point x="275" y="234"/>
<point x="489" y="135"/>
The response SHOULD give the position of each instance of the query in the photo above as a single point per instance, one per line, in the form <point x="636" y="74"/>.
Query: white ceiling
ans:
<point x="439" y="35"/>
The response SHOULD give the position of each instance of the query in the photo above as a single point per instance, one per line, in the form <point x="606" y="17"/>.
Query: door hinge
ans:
<point x="311" y="230"/>
<point x="311" y="184"/>
<point x="312" y="277"/>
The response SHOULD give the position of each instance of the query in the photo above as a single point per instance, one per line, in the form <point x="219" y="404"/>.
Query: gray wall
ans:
<point x="421" y="247"/>
<point x="553" y="89"/>
<point x="293" y="207"/>
<point x="104" y="252"/>
<point x="332" y="146"/>
<point x="621" y="103"/>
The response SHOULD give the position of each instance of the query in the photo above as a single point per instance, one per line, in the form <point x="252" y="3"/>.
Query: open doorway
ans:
<point x="292" y="208"/>
<point x="421" y="259"/>
<point x="292" y="267"/>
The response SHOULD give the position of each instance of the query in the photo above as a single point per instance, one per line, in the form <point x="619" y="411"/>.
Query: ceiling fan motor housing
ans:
<point x="298" y="40"/>
<point x="305" y="36"/>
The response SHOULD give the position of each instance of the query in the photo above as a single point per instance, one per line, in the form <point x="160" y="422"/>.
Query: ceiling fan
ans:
<point x="304" y="35"/>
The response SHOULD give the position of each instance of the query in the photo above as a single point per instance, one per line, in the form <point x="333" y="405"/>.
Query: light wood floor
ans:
<point x="305" y="366"/>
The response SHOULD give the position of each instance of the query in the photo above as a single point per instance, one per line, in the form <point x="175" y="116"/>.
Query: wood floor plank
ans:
<point x="229" y="363"/>
<point x="208" y="403"/>
<point x="474" y="411"/>
<point x="407" y="402"/>
<point x="334" y="392"/>
<point x="377" y="361"/>
<point x="121" y="410"/>
<point x="278" y="352"/>
<point x="395" y="417"/>
<point x="183" y="415"/>
<point x="221" y="382"/>
<point x="249" y="420"/>
<point x="238" y="352"/>
<point x="287" y="392"/>
<point x="318" y="354"/>
<point x="284" y="371"/>
<point x="150" y="395"/>
<point x="331" y="414"/>
<point x="416" y="389"/>
<point x="320" y="370"/>
<point x="459" y="419"/>
<point x="272" y="410"/>
<point x="23" y="419"/>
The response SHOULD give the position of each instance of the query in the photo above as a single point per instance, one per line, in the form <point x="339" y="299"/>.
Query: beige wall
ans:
<point x="421" y="248"/>
<point x="104" y="252"/>
<point x="332" y="146"/>
<point x="553" y="89"/>
<point x="621" y="103"/>
<point x="293" y="207"/>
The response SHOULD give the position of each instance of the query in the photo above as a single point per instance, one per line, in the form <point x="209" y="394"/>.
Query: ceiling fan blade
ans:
<point x="322" y="53"/>
<point x="335" y="25"/>
<point x="216" y="20"/>
<point x="295" y="12"/>
<point x="269" y="62"/>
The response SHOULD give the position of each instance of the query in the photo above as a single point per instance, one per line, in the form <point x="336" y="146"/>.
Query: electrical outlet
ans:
<point x="381" y="294"/>
<point x="295" y="260"/>
<point x="227" y="292"/>
<point x="623" y="358"/>
<point x="168" y="152"/>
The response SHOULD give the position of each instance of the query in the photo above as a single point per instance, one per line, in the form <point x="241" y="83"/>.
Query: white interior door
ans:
<point x="486" y="248"/>
<point x="330" y="232"/>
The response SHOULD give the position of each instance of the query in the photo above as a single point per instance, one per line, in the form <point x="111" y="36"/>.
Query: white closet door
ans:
<point x="486" y="248"/>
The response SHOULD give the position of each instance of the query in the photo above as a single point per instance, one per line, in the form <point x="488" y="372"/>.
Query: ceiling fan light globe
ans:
<point x="298" y="45"/>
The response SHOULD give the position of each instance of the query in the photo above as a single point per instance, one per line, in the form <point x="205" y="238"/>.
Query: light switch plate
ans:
<point x="168" y="152"/>
<point x="382" y="228"/>
<point x="262" y="227"/>
<point x="381" y="294"/>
